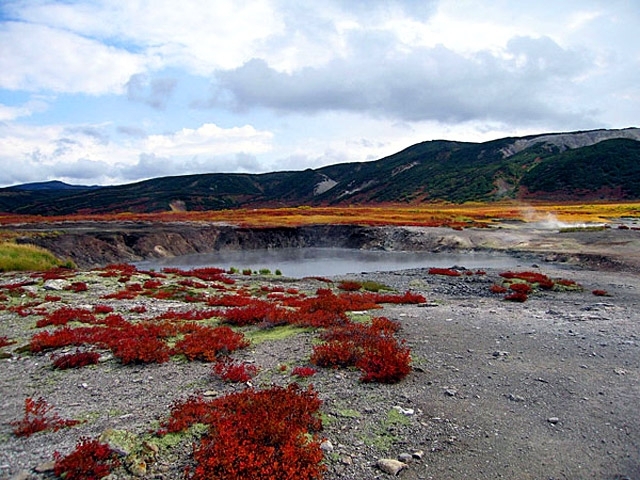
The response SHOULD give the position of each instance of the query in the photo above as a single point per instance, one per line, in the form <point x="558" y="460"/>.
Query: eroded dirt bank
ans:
<point x="93" y="244"/>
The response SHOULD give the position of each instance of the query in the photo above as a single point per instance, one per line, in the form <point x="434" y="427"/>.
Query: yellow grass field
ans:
<point x="437" y="214"/>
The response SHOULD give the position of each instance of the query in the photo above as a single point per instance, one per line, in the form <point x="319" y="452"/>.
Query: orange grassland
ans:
<point x="428" y="215"/>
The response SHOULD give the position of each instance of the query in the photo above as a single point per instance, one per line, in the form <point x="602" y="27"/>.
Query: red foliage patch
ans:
<point x="76" y="360"/>
<point x="64" y="315"/>
<point x="516" y="297"/>
<point x="234" y="372"/>
<point x="77" y="287"/>
<point x="90" y="460"/>
<point x="349" y="285"/>
<point x="498" y="289"/>
<point x="371" y="348"/>
<point x="38" y="418"/>
<point x="4" y="341"/>
<point x="255" y="434"/>
<point x="521" y="288"/>
<point x="207" y="343"/>
<point x="303" y="372"/>
<point x="444" y="271"/>
<point x="600" y="293"/>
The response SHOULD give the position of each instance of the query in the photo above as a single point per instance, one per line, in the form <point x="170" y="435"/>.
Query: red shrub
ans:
<point x="89" y="461"/>
<point x="256" y="434"/>
<point x="384" y="361"/>
<point x="517" y="297"/>
<point x="520" y="288"/>
<point x="152" y="284"/>
<point x="444" y="271"/>
<point x="498" y="289"/>
<point x="303" y="372"/>
<point x="233" y="372"/>
<point x="138" y="309"/>
<point x="336" y="353"/>
<point x="63" y="337"/>
<point x="4" y="341"/>
<point x="600" y="293"/>
<point x="142" y="343"/>
<point x="371" y="348"/>
<point x="64" y="315"/>
<point x="349" y="285"/>
<point x="206" y="343"/>
<point x="52" y="298"/>
<point x="233" y="300"/>
<point x="76" y="360"/>
<point x="540" y="279"/>
<point x="38" y="417"/>
<point x="259" y="311"/>
<point x="77" y="287"/>
<point x="102" y="309"/>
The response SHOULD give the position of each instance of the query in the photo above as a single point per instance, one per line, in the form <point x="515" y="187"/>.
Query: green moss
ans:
<point x="257" y="336"/>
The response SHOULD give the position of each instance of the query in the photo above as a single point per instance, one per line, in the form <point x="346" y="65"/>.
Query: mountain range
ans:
<point x="576" y="166"/>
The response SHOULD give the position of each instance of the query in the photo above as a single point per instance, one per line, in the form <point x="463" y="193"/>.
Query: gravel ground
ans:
<point x="545" y="389"/>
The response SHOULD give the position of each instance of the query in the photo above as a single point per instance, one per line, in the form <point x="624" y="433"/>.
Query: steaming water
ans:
<point x="305" y="262"/>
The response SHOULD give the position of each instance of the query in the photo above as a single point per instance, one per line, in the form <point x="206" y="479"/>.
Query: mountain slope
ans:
<point x="592" y="164"/>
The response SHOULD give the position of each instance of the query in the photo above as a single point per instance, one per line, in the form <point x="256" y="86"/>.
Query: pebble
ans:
<point x="405" y="457"/>
<point x="451" y="392"/>
<point x="391" y="466"/>
<point x="326" y="446"/>
<point x="45" y="467"/>
<point x="404" y="411"/>
<point x="553" y="420"/>
<point x="515" y="398"/>
<point x="418" y="454"/>
<point x="21" y="475"/>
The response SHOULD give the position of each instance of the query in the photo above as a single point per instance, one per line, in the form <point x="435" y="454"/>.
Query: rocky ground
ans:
<point x="545" y="389"/>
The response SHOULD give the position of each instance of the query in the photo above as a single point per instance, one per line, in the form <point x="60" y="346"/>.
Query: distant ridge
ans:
<point x="579" y="166"/>
<point x="51" y="185"/>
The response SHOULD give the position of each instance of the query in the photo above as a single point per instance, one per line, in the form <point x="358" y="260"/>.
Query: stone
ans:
<point x="391" y="466"/>
<point x="326" y="446"/>
<point x="21" y="475"/>
<point x="418" y="454"/>
<point x="515" y="398"/>
<point x="404" y="411"/>
<point x="45" y="467"/>
<point x="56" y="285"/>
<point x="405" y="457"/>
<point x="451" y="392"/>
<point x="553" y="420"/>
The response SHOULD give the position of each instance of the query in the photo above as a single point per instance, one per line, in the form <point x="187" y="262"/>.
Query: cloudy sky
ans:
<point x="115" y="91"/>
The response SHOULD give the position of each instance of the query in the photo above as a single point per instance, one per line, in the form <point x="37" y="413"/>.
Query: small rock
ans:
<point x="56" y="285"/>
<point x="553" y="420"/>
<point x="391" y="466"/>
<point x="515" y="398"/>
<point x="346" y="460"/>
<point x="500" y="353"/>
<point x="418" y="454"/>
<point x="404" y="411"/>
<point x="451" y="392"/>
<point x="326" y="446"/>
<point x="21" y="475"/>
<point x="45" y="467"/>
<point x="210" y="393"/>
<point x="405" y="457"/>
<point x="619" y="371"/>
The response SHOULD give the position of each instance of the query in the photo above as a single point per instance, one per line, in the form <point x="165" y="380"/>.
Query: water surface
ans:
<point x="306" y="262"/>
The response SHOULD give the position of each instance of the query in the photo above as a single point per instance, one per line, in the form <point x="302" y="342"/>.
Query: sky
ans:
<point x="104" y="92"/>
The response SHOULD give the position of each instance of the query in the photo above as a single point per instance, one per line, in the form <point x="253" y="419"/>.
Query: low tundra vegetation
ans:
<point x="210" y="315"/>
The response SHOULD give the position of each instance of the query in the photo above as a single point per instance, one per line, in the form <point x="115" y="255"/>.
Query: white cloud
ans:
<point x="79" y="153"/>
<point x="210" y="140"/>
<point x="36" y="57"/>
